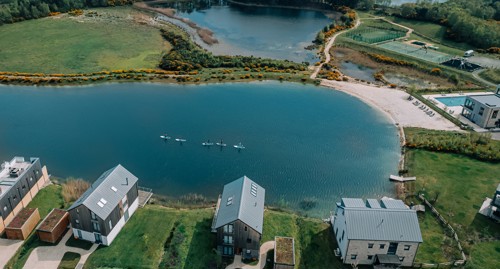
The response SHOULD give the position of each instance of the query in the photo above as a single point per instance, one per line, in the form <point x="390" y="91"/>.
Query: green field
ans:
<point x="461" y="185"/>
<point x="108" y="41"/>
<point x="492" y="75"/>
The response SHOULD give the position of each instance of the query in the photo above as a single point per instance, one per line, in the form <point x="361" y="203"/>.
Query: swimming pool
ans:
<point x="452" y="101"/>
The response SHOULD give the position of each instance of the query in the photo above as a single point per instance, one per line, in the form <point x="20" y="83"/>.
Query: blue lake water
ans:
<point x="451" y="101"/>
<point x="302" y="142"/>
<point x="277" y="33"/>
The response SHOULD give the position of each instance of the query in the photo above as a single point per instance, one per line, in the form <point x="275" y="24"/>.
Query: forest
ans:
<point x="19" y="10"/>
<point x="473" y="21"/>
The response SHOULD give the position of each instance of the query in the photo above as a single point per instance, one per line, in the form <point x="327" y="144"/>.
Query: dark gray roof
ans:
<point x="491" y="100"/>
<point x="387" y="224"/>
<point x="242" y="199"/>
<point x="107" y="191"/>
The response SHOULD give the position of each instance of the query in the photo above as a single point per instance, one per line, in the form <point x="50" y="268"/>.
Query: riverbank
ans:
<point x="329" y="13"/>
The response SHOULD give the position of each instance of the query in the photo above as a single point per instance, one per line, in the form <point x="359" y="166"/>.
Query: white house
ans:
<point x="376" y="232"/>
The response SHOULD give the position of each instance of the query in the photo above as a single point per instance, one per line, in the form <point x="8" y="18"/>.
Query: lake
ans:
<point x="302" y="142"/>
<point x="278" y="33"/>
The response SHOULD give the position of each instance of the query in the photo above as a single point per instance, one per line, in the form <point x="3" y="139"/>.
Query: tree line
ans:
<point x="473" y="21"/>
<point x="300" y="3"/>
<point x="19" y="10"/>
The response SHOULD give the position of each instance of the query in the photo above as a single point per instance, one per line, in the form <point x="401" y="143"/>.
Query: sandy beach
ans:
<point x="394" y="104"/>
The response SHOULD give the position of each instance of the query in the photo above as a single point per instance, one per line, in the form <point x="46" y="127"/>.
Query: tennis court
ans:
<point x="372" y="35"/>
<point x="423" y="53"/>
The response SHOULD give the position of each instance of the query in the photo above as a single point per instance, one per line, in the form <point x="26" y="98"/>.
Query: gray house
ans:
<point x="483" y="110"/>
<point x="20" y="181"/>
<point x="376" y="232"/>
<point x="239" y="218"/>
<point x="102" y="211"/>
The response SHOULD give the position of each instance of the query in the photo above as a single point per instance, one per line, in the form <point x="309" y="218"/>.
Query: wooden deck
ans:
<point x="144" y="195"/>
<point x="401" y="179"/>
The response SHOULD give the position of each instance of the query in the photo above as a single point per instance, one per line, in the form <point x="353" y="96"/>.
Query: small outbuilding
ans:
<point x="23" y="224"/>
<point x="53" y="226"/>
<point x="284" y="253"/>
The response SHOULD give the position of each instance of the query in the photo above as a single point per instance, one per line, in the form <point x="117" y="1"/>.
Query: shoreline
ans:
<point x="327" y="13"/>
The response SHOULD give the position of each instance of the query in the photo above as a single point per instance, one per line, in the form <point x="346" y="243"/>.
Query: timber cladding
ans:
<point x="23" y="224"/>
<point x="53" y="226"/>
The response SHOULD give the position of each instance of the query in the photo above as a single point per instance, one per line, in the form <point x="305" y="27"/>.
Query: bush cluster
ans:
<point x="185" y="56"/>
<point x="475" y="145"/>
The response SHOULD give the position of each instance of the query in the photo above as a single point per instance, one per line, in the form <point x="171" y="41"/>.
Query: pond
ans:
<point x="278" y="33"/>
<point x="303" y="143"/>
<point x="357" y="71"/>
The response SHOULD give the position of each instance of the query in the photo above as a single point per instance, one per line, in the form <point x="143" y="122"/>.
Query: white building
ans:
<point x="376" y="232"/>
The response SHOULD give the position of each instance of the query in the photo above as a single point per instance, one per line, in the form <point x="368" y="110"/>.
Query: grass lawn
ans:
<point x="46" y="199"/>
<point x="431" y="30"/>
<point x="492" y="75"/>
<point x="64" y="44"/>
<point x="314" y="240"/>
<point x="437" y="247"/>
<point x="142" y="241"/>
<point x="461" y="185"/>
<point x="69" y="260"/>
<point x="485" y="253"/>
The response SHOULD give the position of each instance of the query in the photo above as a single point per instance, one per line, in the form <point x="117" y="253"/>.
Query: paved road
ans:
<point x="7" y="249"/>
<point x="49" y="257"/>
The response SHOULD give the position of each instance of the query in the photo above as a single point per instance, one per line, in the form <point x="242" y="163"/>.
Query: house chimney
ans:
<point x="126" y="181"/>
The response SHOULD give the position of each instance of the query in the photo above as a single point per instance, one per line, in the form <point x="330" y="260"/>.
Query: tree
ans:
<point x="408" y="10"/>
<point x="366" y="4"/>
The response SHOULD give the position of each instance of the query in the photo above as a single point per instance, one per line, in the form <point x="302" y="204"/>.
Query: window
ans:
<point x="227" y="251"/>
<point x="5" y="208"/>
<point x="495" y="114"/>
<point x="407" y="247"/>
<point x="228" y="239"/>
<point x="481" y="110"/>
<point x="77" y="221"/>
<point x="370" y="245"/>
<point x="125" y="202"/>
<point x="228" y="228"/>
<point x="343" y="232"/>
<point x="370" y="257"/>
<point x="96" y="226"/>
<point x="246" y="228"/>
<point x="77" y="211"/>
<point x="110" y="225"/>
<point x="354" y="256"/>
<point x="401" y="259"/>
<point x="249" y="240"/>
<point x="31" y="178"/>
<point x="337" y="231"/>
<point x="382" y="246"/>
<point x="93" y="215"/>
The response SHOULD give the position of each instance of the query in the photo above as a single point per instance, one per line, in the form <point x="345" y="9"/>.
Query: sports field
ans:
<point x="372" y="35"/>
<point x="416" y="51"/>
<point x="108" y="39"/>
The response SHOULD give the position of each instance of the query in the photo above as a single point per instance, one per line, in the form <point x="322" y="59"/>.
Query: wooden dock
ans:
<point x="402" y="179"/>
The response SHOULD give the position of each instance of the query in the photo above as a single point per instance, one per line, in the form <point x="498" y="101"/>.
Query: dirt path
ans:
<point x="329" y="45"/>
<point x="475" y="74"/>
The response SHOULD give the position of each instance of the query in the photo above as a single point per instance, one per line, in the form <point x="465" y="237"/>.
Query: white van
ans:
<point x="468" y="53"/>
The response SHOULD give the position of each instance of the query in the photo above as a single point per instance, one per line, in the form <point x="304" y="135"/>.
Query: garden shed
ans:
<point x="23" y="224"/>
<point x="53" y="226"/>
<point x="284" y="253"/>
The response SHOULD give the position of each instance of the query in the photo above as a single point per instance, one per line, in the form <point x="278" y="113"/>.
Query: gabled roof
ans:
<point x="391" y="222"/>
<point x="107" y="191"/>
<point x="242" y="199"/>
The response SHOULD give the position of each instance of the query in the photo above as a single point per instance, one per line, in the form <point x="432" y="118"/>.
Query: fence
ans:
<point x="422" y="53"/>
<point x="447" y="225"/>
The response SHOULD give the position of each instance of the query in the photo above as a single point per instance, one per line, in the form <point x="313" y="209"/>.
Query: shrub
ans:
<point x="72" y="189"/>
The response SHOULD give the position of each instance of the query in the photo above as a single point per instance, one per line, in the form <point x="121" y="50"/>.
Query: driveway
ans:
<point x="7" y="249"/>
<point x="49" y="257"/>
<point x="262" y="260"/>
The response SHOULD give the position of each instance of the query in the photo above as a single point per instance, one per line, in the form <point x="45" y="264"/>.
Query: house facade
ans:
<point x="102" y="211"/>
<point x="495" y="205"/>
<point x="20" y="181"/>
<point x="239" y="218"/>
<point x="372" y="232"/>
<point x="483" y="110"/>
